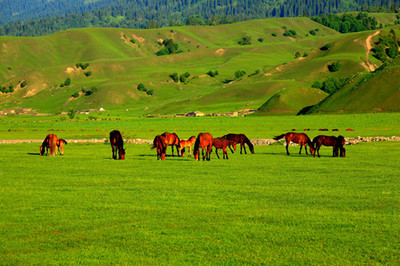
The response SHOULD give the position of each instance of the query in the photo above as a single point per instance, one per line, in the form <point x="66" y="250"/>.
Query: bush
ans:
<point x="183" y="78"/>
<point x="290" y="33"/>
<point x="67" y="82"/>
<point x="141" y="87"/>
<point x="88" y="74"/>
<point x="245" y="40"/>
<point x="326" y="47"/>
<point x="305" y="54"/>
<point x="91" y="91"/>
<point x="212" y="74"/>
<point x="274" y="34"/>
<point x="23" y="84"/>
<point x="297" y="54"/>
<point x="335" y="66"/>
<point x="169" y="48"/>
<point x="71" y="114"/>
<point x="174" y="77"/>
<point x="149" y="92"/>
<point x="331" y="85"/>
<point x="312" y="32"/>
<point x="316" y="85"/>
<point x="260" y="39"/>
<point x="82" y="66"/>
<point x="75" y="95"/>
<point x="239" y="74"/>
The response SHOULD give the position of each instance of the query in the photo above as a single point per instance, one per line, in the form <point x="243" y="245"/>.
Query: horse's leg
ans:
<point x="244" y="147"/>
<point x="209" y="150"/>
<point x="225" y="153"/>
<point x="241" y="147"/>
<point x="319" y="147"/>
<point x="305" y="147"/>
<point x="301" y="146"/>
<point x="287" y="148"/>
<point x="230" y="148"/>
<point x="216" y="152"/>
<point x="202" y="152"/>
<point x="190" y="151"/>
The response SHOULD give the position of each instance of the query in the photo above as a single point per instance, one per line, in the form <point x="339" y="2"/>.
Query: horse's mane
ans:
<point x="248" y="142"/>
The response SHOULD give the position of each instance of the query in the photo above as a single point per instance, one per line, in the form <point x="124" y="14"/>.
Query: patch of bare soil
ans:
<point x="368" y="43"/>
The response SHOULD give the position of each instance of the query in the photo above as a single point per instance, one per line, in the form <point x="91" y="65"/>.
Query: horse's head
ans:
<point x="312" y="149"/>
<point x="233" y="144"/>
<point x="41" y="150"/>
<point x="122" y="154"/>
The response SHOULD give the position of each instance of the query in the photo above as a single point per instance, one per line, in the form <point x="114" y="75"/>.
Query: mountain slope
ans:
<point x="120" y="59"/>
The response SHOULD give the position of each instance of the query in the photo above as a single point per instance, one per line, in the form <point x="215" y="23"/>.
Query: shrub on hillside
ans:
<point x="245" y="40"/>
<point x="149" y="92"/>
<point x="297" y="54"/>
<point x="71" y="114"/>
<point x="326" y="47"/>
<point x="212" y="73"/>
<point x="23" y="83"/>
<point x="335" y="66"/>
<point x="82" y="66"/>
<point x="88" y="74"/>
<point x="331" y="85"/>
<point x="290" y="33"/>
<point x="169" y="48"/>
<point x="260" y="39"/>
<point x="239" y="74"/>
<point x="183" y="78"/>
<point x="141" y="87"/>
<point x="274" y="34"/>
<point x="312" y="32"/>
<point x="75" y="95"/>
<point x="174" y="77"/>
<point x="91" y="91"/>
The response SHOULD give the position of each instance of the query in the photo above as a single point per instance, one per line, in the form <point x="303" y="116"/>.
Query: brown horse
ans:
<point x="242" y="140"/>
<point x="60" y="144"/>
<point x="50" y="142"/>
<point x="223" y="143"/>
<point x="171" y="139"/>
<point x="186" y="144"/>
<point x="203" y="141"/>
<point x="336" y="143"/>
<point x="117" y="145"/>
<point x="299" y="138"/>
<point x="159" y="144"/>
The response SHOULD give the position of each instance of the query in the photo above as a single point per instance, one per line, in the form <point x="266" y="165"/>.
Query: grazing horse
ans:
<point x="117" y="145"/>
<point x="223" y="143"/>
<point x="336" y="143"/>
<point x="171" y="139"/>
<point x="159" y="144"/>
<point x="299" y="138"/>
<point x="242" y="140"/>
<point x="186" y="143"/>
<point x="50" y="142"/>
<point x="60" y="145"/>
<point x="203" y="141"/>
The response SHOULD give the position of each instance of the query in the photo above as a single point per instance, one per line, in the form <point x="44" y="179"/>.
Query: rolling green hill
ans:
<point x="120" y="59"/>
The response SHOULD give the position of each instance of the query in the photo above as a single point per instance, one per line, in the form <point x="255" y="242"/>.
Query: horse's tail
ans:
<point x="248" y="142"/>
<point x="341" y="141"/>
<point x="279" y="137"/>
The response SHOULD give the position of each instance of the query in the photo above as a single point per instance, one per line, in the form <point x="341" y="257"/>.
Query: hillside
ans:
<point x="372" y="92"/>
<point x="120" y="59"/>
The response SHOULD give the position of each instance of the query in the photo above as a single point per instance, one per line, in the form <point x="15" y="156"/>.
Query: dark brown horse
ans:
<point x="117" y="145"/>
<point x="50" y="142"/>
<point x="60" y="144"/>
<point x="186" y="144"/>
<point x="223" y="143"/>
<point x="242" y="140"/>
<point x="336" y="143"/>
<point x="160" y="146"/>
<point x="171" y="139"/>
<point x="203" y="141"/>
<point x="299" y="138"/>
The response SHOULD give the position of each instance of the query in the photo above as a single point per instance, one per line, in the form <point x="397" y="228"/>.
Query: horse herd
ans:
<point x="205" y="142"/>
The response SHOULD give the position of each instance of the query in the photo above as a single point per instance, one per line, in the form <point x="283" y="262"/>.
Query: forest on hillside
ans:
<point x="141" y="14"/>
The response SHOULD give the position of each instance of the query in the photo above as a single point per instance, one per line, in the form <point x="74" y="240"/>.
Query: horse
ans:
<point x="242" y="140"/>
<point x="186" y="143"/>
<point x="60" y="145"/>
<point x="117" y="145"/>
<point x="336" y="142"/>
<point x="173" y="140"/>
<point x="50" y="142"/>
<point x="223" y="143"/>
<point x="203" y="141"/>
<point x="299" y="138"/>
<point x="159" y="144"/>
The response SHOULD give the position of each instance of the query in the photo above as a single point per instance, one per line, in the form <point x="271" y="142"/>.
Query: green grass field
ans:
<point x="251" y="209"/>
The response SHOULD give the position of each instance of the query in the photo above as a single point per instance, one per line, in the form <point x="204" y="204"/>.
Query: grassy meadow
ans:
<point x="257" y="208"/>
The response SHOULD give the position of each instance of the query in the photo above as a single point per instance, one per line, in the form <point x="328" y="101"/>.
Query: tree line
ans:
<point x="141" y="14"/>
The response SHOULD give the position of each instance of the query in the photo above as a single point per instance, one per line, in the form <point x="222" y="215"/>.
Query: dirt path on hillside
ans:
<point x="368" y="43"/>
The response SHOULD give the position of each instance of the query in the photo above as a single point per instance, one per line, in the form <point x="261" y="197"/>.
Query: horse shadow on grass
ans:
<point x="34" y="153"/>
